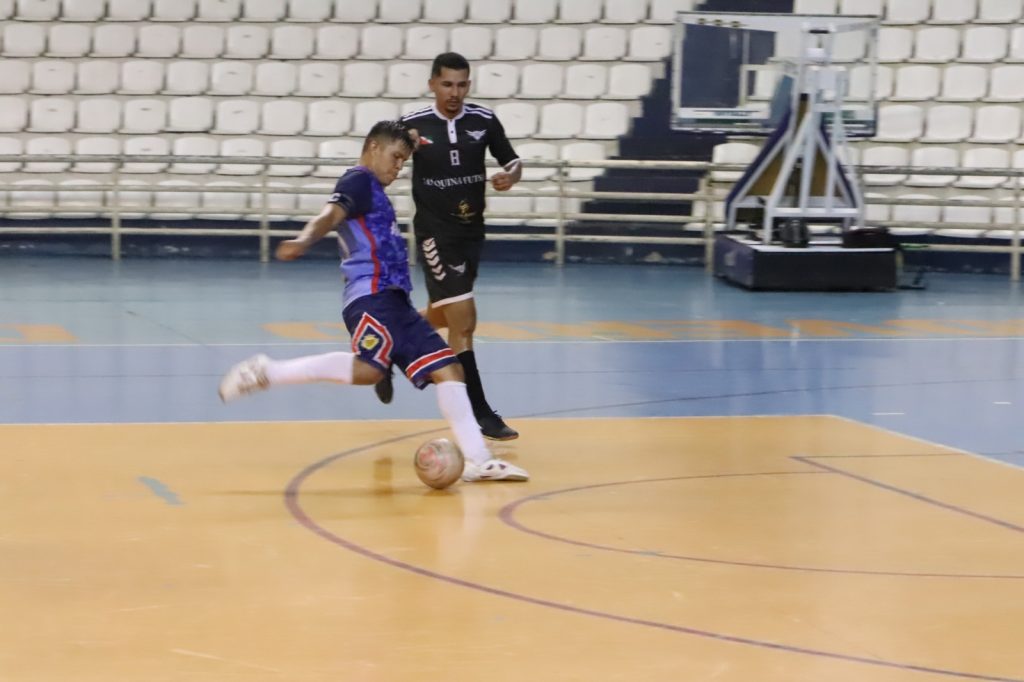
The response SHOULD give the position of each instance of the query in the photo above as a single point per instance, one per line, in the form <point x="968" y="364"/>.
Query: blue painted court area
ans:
<point x="90" y="340"/>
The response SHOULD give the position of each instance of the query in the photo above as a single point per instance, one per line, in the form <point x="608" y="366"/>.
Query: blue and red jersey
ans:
<point x="375" y="256"/>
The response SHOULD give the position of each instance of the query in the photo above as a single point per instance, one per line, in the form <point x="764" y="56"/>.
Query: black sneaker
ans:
<point x="495" y="428"/>
<point x="385" y="388"/>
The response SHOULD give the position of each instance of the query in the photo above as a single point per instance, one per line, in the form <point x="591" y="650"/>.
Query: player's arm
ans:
<point x="501" y="149"/>
<point x="329" y="217"/>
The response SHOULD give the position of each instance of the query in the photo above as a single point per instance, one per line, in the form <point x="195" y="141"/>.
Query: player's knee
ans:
<point x="365" y="374"/>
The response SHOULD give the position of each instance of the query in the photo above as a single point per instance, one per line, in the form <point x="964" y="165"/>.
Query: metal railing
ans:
<point x="679" y="228"/>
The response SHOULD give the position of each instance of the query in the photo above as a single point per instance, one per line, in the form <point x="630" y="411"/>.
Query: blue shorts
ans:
<point x="387" y="329"/>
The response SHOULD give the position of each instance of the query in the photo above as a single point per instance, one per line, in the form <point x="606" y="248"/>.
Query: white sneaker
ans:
<point x="246" y="377"/>
<point x="493" y="470"/>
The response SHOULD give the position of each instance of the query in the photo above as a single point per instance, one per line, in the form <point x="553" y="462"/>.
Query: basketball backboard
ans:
<point x="734" y="72"/>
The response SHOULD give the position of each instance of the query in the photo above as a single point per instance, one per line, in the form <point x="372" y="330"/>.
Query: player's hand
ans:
<point x="291" y="249"/>
<point x="502" y="181"/>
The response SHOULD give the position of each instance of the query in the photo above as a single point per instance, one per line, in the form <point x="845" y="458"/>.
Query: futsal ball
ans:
<point x="439" y="463"/>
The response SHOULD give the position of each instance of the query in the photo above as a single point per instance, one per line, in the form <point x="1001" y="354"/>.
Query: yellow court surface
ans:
<point x="740" y="549"/>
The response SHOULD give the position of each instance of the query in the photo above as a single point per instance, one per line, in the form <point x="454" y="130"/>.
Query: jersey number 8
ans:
<point x="455" y="157"/>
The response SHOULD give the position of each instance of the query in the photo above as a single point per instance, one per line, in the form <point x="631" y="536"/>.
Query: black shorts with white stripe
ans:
<point x="449" y="265"/>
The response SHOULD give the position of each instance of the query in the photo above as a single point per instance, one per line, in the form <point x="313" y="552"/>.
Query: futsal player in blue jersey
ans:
<point x="385" y="327"/>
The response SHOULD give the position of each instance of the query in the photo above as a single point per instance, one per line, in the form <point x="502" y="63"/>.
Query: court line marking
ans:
<point x="291" y="499"/>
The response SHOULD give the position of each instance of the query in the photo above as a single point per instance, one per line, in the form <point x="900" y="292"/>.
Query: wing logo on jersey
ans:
<point x="433" y="259"/>
<point x="460" y="268"/>
<point x="476" y="134"/>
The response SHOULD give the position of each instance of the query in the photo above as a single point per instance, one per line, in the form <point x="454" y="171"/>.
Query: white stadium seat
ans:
<point x="518" y="118"/>
<point x="107" y="146"/>
<point x="218" y="10"/>
<point x="37" y="10"/>
<point x="933" y="157"/>
<point x="187" y="77"/>
<point x="732" y="153"/>
<point x="532" y="151"/>
<point x="241" y="147"/>
<point x="141" y="77"/>
<point x="98" y="115"/>
<point x="113" y="40"/>
<point x="308" y="10"/>
<point x="280" y="203"/>
<point x="513" y="42"/>
<point x="907" y="12"/>
<point x="47" y="145"/>
<point x="10" y="146"/>
<point x="368" y="113"/>
<point x="276" y="79"/>
<point x="190" y="115"/>
<point x="953" y="11"/>
<point x="534" y="11"/>
<point x="88" y="203"/>
<point x="913" y="215"/>
<point x="983" y="157"/>
<point x="283" y="117"/>
<point x="587" y="81"/>
<point x="895" y="44"/>
<point x="860" y="85"/>
<point x="223" y="205"/>
<point x="606" y="121"/>
<point x="35" y="201"/>
<point x="361" y="12"/>
<point x="23" y="40"/>
<point x="628" y="81"/>
<point x="194" y="146"/>
<point x="624" y="11"/>
<point x="1016" y="45"/>
<point x="579" y="11"/>
<point x="963" y="83"/>
<point x="319" y="79"/>
<point x="559" y="43"/>
<point x="363" y="79"/>
<point x="380" y="42"/>
<point x="51" y="115"/>
<point x="995" y="124"/>
<point x="1007" y="84"/>
<point x="127" y="10"/>
<point x="899" y="123"/>
<point x="444" y="11"/>
<point x="605" y="43"/>
<point x="649" y="43"/>
<point x="495" y="80"/>
<point x="560" y="120"/>
<point x="947" y="123"/>
<point x="489" y="11"/>
<point x="292" y="149"/>
<point x="507" y="202"/>
<point x="425" y="42"/>
<point x="144" y="116"/>
<point x="314" y="201"/>
<point x="274" y="10"/>
<point x="984" y="44"/>
<point x="231" y="78"/>
<point x="398" y="11"/>
<point x="542" y="81"/>
<point x="337" y="149"/>
<point x="292" y="42"/>
<point x="96" y="77"/>
<point x="1000" y="11"/>
<point x="173" y="10"/>
<point x="236" y="117"/>
<point x="664" y="11"/>
<point x="336" y="42"/>
<point x="159" y="40"/>
<point x="80" y="10"/>
<point x="69" y="40"/>
<point x="52" y="77"/>
<point x="247" y="42"/>
<point x="981" y="215"/>
<point x="916" y="83"/>
<point x="137" y="201"/>
<point x="328" y="118"/>
<point x="938" y="44"/>
<point x="17" y="78"/>
<point x="407" y="80"/>
<point x="13" y="114"/>
<point x="473" y="42"/>
<point x="202" y="42"/>
<point x="175" y="205"/>
<point x="583" y="151"/>
<point x="882" y="155"/>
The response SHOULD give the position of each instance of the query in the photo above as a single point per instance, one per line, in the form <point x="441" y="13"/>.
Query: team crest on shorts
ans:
<point x="370" y="336"/>
<point x="369" y="342"/>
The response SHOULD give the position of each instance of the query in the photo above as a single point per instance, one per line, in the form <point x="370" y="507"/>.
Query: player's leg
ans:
<point x="260" y="373"/>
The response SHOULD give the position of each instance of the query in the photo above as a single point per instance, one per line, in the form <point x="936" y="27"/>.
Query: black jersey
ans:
<point x="448" y="173"/>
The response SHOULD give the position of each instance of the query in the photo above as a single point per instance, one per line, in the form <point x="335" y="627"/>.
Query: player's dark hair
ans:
<point x="448" y="60"/>
<point x="389" y="131"/>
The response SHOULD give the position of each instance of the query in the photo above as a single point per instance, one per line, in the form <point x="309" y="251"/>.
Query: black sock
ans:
<point x="474" y="387"/>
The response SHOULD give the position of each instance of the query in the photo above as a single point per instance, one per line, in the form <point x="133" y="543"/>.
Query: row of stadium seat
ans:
<point x="336" y="42"/>
<point x="556" y="120"/>
<point x="938" y="44"/>
<point x="251" y="147"/>
<point x="317" y="79"/>
<point x="956" y="83"/>
<point x="921" y="11"/>
<point x="945" y="123"/>
<point x="351" y="11"/>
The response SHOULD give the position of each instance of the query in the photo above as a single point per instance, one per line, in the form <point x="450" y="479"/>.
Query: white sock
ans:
<point x="454" y="403"/>
<point x="335" y="367"/>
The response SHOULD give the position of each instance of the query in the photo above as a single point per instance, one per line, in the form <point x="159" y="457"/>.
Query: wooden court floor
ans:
<point x="740" y="549"/>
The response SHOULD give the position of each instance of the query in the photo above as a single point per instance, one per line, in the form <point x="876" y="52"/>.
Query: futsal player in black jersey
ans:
<point x="448" y="185"/>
